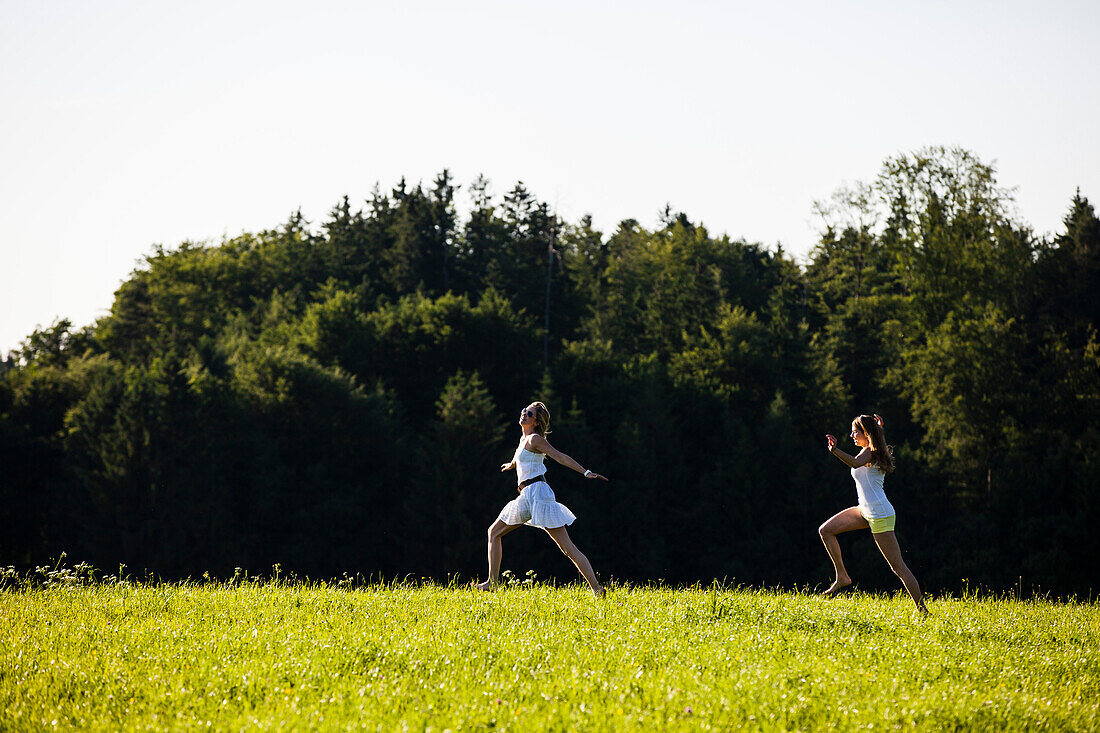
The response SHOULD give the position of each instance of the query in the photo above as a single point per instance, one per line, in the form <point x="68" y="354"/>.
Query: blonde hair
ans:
<point x="882" y="455"/>
<point x="542" y="419"/>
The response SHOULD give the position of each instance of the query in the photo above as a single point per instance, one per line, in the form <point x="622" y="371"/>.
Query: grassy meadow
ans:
<point x="277" y="656"/>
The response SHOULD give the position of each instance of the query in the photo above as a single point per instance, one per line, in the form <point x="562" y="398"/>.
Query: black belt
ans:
<point x="528" y="482"/>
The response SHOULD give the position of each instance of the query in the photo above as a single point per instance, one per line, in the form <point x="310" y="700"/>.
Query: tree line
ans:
<point x="337" y="398"/>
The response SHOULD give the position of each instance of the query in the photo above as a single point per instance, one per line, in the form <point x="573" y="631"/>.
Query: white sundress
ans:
<point x="536" y="505"/>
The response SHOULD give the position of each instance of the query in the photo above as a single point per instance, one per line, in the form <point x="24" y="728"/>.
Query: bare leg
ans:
<point x="888" y="546"/>
<point x="843" y="521"/>
<point x="496" y="531"/>
<point x="560" y="535"/>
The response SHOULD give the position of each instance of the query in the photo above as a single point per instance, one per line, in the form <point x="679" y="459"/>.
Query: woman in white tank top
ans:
<point x="873" y="510"/>
<point x="536" y="505"/>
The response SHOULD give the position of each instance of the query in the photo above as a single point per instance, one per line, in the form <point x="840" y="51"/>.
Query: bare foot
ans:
<point x="837" y="586"/>
<point x="600" y="591"/>
<point x="487" y="585"/>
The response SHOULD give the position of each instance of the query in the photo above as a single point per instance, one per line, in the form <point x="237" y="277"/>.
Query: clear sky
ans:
<point x="125" y="124"/>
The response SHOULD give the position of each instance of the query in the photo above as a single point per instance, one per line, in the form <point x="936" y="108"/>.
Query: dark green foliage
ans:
<point x="449" y="503"/>
<point x="340" y="399"/>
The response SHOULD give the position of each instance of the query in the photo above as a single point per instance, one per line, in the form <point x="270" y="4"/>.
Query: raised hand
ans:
<point x="830" y="441"/>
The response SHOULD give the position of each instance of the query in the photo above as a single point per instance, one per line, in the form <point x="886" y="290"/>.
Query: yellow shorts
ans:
<point x="881" y="524"/>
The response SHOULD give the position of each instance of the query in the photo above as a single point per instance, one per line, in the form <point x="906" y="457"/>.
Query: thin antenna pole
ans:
<point x="443" y="246"/>
<point x="549" y="270"/>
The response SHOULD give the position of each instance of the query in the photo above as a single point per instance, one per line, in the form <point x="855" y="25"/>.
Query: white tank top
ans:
<point x="872" y="499"/>
<point x="528" y="463"/>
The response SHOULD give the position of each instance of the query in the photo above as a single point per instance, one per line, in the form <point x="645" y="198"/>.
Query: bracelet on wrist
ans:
<point x="587" y="473"/>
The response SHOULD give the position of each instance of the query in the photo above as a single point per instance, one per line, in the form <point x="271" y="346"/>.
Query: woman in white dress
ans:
<point x="536" y="505"/>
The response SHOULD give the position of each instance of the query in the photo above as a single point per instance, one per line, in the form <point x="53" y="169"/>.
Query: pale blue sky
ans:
<point x="124" y="124"/>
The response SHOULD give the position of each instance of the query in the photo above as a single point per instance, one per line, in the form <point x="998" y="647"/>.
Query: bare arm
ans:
<point x="507" y="466"/>
<point x="860" y="459"/>
<point x="542" y="445"/>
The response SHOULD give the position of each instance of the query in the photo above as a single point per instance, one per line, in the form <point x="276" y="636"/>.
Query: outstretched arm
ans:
<point x="860" y="459"/>
<point x="542" y="445"/>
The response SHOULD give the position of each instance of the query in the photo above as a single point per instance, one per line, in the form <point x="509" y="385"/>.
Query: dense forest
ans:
<point x="338" y="397"/>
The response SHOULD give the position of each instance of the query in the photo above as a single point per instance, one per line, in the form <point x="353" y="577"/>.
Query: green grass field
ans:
<point x="121" y="656"/>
